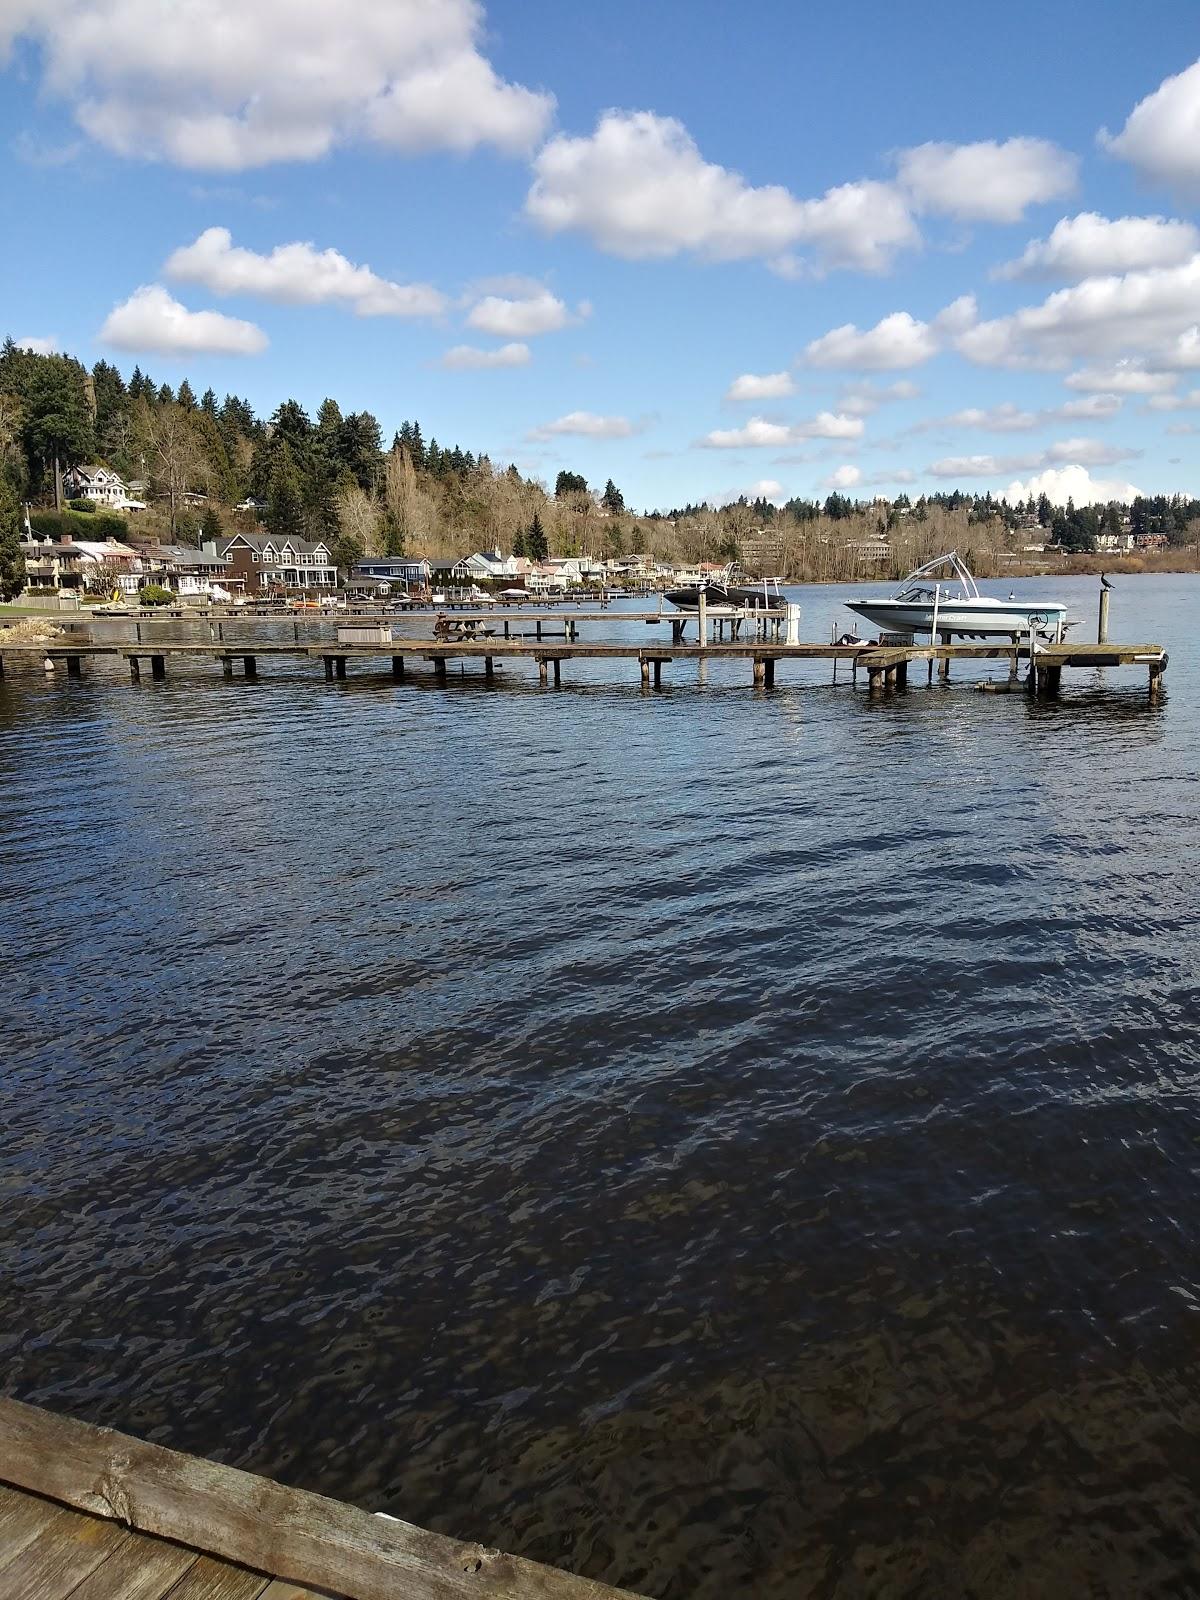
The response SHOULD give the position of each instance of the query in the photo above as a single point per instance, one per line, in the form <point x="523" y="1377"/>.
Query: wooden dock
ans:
<point x="90" y="1514"/>
<point x="886" y="668"/>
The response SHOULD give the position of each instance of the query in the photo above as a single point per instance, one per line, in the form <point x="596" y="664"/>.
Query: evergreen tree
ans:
<point x="568" y="483"/>
<point x="165" y="395"/>
<point x="285" y="505"/>
<point x="186" y="398"/>
<point x="612" y="499"/>
<point x="208" y="403"/>
<point x="210" y="524"/>
<point x="537" y="547"/>
<point x="12" y="562"/>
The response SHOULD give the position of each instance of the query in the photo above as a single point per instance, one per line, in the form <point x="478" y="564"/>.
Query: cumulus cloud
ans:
<point x="1094" y="407"/>
<point x="639" y="187"/>
<point x="1174" y="402"/>
<point x="763" y="489"/>
<point x="46" y="344"/>
<point x="220" y="84"/>
<point x="864" y="398"/>
<point x="986" y="182"/>
<point x="759" y="433"/>
<point x="151" y="320"/>
<point x="468" y="358"/>
<point x="897" y="340"/>
<point x="1122" y="377"/>
<point x="1060" y="484"/>
<point x="586" y="425"/>
<point x="298" y="274"/>
<point x="844" y="477"/>
<point x="1161" y="136"/>
<point x="532" y="311"/>
<point x="761" y="386"/>
<point x="1152" y="312"/>
<point x="1090" y="245"/>
<point x="1009" y="418"/>
<point x="1077" y="453"/>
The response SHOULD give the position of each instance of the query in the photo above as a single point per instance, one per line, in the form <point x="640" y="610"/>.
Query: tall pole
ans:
<point x="1102" y="623"/>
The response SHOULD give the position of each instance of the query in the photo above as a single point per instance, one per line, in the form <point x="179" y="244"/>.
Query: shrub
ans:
<point x="110" y="526"/>
<point x="88" y="506"/>
<point x="153" y="594"/>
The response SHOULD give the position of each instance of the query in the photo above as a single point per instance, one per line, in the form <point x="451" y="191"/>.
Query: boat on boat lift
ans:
<point x="728" y="590"/>
<point x="942" y="599"/>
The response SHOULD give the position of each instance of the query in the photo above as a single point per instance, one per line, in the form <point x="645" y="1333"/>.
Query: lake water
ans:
<point x="724" y="1142"/>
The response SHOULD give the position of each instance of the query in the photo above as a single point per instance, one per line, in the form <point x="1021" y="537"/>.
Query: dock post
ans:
<point x="1156" y="676"/>
<point x="397" y="666"/>
<point x="944" y="663"/>
<point x="1014" y="661"/>
<point x="557" y="672"/>
<point x="328" y="660"/>
<point x="135" y="670"/>
<point x="1102" y="621"/>
<point x="489" y="669"/>
<point x="227" y="666"/>
<point x="769" y="672"/>
<point x="760" y="672"/>
<point x="1051" y="679"/>
<point x="506" y="627"/>
<point x="74" y="667"/>
<point x="702" y="608"/>
<point x="339" y="666"/>
<point x="158" y="666"/>
<point x="676" y="631"/>
<point x="902" y="675"/>
<point x="658" y="674"/>
<point x="874" y="680"/>
<point x="251" y="666"/>
<point x="538" y="626"/>
<point x="543" y="672"/>
<point x="439" y="668"/>
<point x="645" y="666"/>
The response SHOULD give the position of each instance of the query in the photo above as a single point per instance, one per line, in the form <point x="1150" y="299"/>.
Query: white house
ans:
<point x="102" y="485"/>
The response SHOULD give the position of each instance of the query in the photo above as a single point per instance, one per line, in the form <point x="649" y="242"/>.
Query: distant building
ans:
<point x="76" y="563"/>
<point x="413" y="573"/>
<point x="263" y="562"/>
<point x="101" y="485"/>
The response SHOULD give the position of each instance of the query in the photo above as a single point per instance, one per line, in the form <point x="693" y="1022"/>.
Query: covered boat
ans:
<point x="728" y="589"/>
<point x="942" y="598"/>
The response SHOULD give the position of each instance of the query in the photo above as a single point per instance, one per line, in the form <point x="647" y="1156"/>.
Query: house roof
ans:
<point x="259" y="542"/>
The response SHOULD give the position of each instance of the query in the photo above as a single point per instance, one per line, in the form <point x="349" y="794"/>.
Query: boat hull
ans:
<point x="736" y="597"/>
<point x="956" y="616"/>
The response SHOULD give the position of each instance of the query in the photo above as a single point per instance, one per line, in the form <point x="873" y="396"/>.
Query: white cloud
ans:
<point x="1060" y="484"/>
<point x="761" y="386"/>
<point x="221" y="84"/>
<point x="151" y="320"/>
<point x="863" y="398"/>
<point x="298" y="274"/>
<point x="898" y="340"/>
<point x="1174" y="402"/>
<point x="845" y="477"/>
<point x="1078" y="453"/>
<point x="1009" y="418"/>
<point x="533" y="311"/>
<point x="1094" y="407"/>
<point x="639" y="188"/>
<point x="587" y="425"/>
<point x="1090" y="245"/>
<point x="1153" y="313"/>
<point x="763" y="489"/>
<point x="759" y="433"/>
<point x="467" y="357"/>
<point x="1161" y="136"/>
<point x="986" y="182"/>
<point x="1122" y="377"/>
<point x="41" y="344"/>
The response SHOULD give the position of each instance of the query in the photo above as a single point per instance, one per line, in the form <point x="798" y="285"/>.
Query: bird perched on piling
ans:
<point x="1104" y="583"/>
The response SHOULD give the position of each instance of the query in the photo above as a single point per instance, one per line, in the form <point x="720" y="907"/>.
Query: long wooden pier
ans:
<point x="886" y="667"/>
<point x="90" y="1514"/>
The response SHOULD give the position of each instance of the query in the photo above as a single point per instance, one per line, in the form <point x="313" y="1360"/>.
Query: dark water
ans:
<point x="720" y="1142"/>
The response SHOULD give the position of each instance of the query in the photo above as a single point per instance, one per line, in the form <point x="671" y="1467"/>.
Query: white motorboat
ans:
<point x="942" y="598"/>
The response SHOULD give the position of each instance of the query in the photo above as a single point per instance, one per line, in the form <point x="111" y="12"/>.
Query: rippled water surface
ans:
<point x="720" y="1141"/>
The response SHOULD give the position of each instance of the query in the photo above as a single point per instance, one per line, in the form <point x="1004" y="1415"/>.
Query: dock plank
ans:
<point x="289" y="1533"/>
<point x="54" y="1563"/>
<point x="22" y="1518"/>
<point x="139" y="1569"/>
<point x="212" y="1579"/>
<point x="282" y="1590"/>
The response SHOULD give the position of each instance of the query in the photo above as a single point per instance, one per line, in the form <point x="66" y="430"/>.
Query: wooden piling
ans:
<point x="489" y="667"/>
<point x="760" y="672"/>
<point x="397" y="666"/>
<point x="158" y="666"/>
<point x="658" y="674"/>
<point x="645" y="669"/>
<point x="557" y="672"/>
<point x="74" y="667"/>
<point x="328" y="660"/>
<point x="543" y="671"/>
<point x="227" y="666"/>
<point x="135" y="670"/>
<point x="250" y="663"/>
<point x="1102" y="620"/>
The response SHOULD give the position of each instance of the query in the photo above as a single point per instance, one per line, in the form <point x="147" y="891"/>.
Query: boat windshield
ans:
<point x="959" y="582"/>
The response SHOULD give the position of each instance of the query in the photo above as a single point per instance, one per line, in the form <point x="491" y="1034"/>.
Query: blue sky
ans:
<point x="562" y="234"/>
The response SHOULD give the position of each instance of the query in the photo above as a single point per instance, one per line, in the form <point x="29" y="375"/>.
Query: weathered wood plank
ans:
<point x="288" y="1533"/>
<point x="139" y="1569"/>
<point x="22" y="1518"/>
<point x="281" y="1590"/>
<point x="60" y="1557"/>
<point x="217" y="1580"/>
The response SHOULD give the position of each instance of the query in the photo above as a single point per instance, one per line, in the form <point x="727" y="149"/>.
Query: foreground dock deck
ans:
<point x="90" y="1514"/>
<point x="885" y="667"/>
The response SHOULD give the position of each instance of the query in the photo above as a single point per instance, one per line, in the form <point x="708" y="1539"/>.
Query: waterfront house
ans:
<point x="102" y="486"/>
<point x="412" y="572"/>
<point x="76" y="563"/>
<point x="190" y="573"/>
<point x="264" y="562"/>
